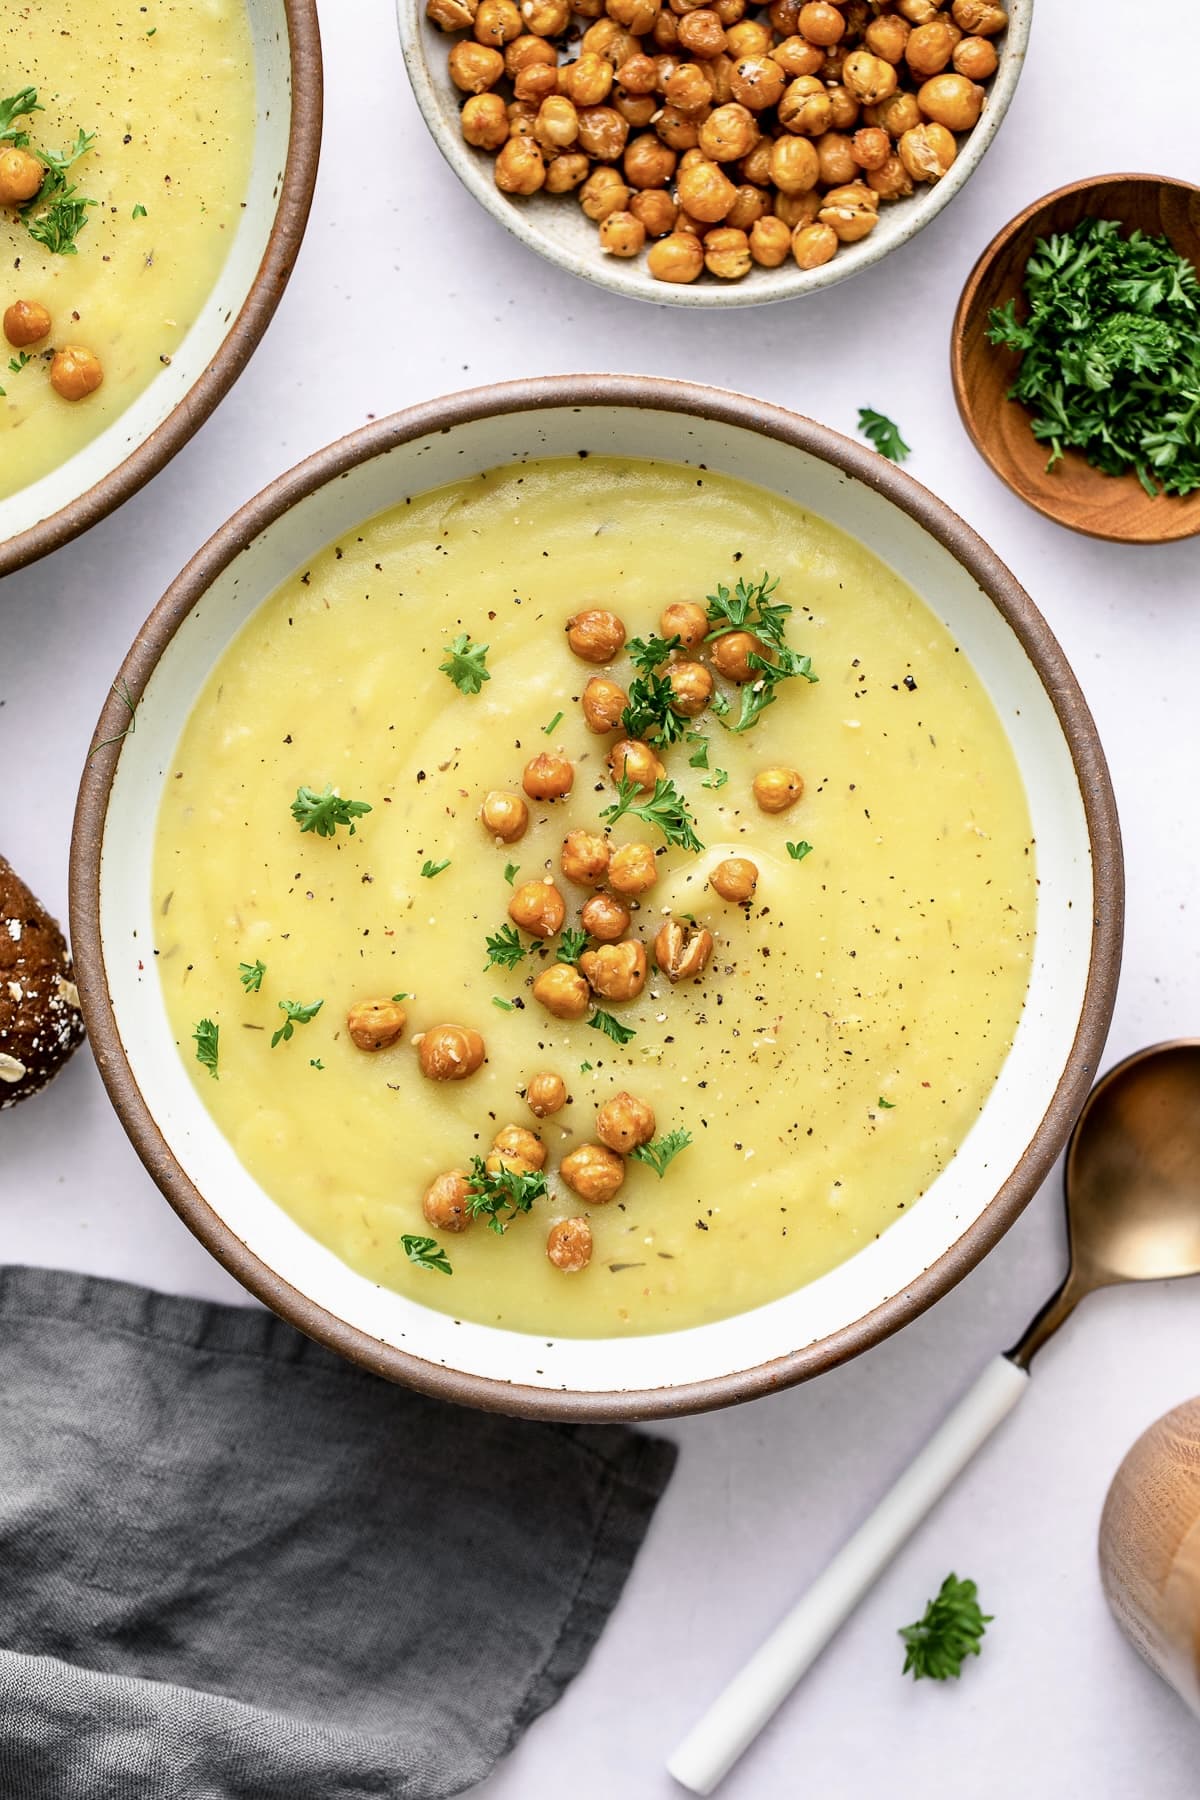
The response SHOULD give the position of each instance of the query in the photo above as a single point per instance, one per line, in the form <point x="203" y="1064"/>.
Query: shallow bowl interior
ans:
<point x="1025" y="1120"/>
<point x="556" y="227"/>
<point x="1074" y="494"/>
<point x="287" y="141"/>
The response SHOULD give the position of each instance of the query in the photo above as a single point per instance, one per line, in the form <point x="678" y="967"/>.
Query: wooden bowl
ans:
<point x="1073" y="493"/>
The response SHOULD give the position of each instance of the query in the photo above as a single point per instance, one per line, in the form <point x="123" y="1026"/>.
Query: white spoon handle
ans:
<point x="737" y="1716"/>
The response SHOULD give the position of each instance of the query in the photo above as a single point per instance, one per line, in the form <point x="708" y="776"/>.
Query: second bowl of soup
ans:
<point x="632" y="903"/>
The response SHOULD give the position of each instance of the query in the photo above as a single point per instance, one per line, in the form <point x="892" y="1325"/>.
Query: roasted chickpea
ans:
<point x="871" y="147"/>
<point x="701" y="33"/>
<point x="445" y="1202"/>
<point x="595" y="635"/>
<point x="603" y="702"/>
<point x="851" y="211"/>
<point x="777" y="789"/>
<point x="450" y="1052"/>
<point x="731" y="654"/>
<point x="527" y="53"/>
<point x="566" y="172"/>
<point x="897" y="114"/>
<point x="616" y="971"/>
<point x="689" y="87"/>
<point x="602" y="132"/>
<point x="504" y="815"/>
<point x="633" y="869"/>
<point x="75" y="372"/>
<point x="748" y="38"/>
<point x="631" y="760"/>
<point x="608" y="39"/>
<point x="795" y="165"/>
<point x="770" y="240"/>
<point x="497" y="1163"/>
<point x="806" y="108"/>
<point x="648" y="162"/>
<point x="979" y="17"/>
<point x="518" y="1140"/>
<point x="784" y="16"/>
<point x="624" y="1123"/>
<point x="639" y="75"/>
<point x="622" y="234"/>
<point x="594" y="1172"/>
<point x="797" y="57"/>
<point x="844" y="109"/>
<point x="538" y="908"/>
<point x="544" y="18"/>
<point x="602" y="193"/>
<point x="569" y="1245"/>
<point x="868" y="77"/>
<point x="474" y="68"/>
<point x="975" y="58"/>
<point x="797" y="209"/>
<point x="821" y="23"/>
<point x="679" y="129"/>
<point x="637" y="110"/>
<point x="545" y="1093"/>
<point x="691" y="683"/>
<point x="952" y="101"/>
<point x="26" y="322"/>
<point x="484" y="121"/>
<point x="375" y="1024"/>
<point x="682" y="951"/>
<point x="563" y="991"/>
<point x="734" y="879"/>
<point x="497" y="22"/>
<point x="749" y="203"/>
<point x="548" y="776"/>
<point x="605" y="918"/>
<point x="728" y="133"/>
<point x="679" y="257"/>
<point x="587" y="82"/>
<point x="757" y="82"/>
<point x="886" y="36"/>
<point x="727" y="253"/>
<point x="21" y="175"/>
<point x="585" y="857"/>
<point x="451" y="15"/>
<point x="918" y="12"/>
<point x="835" y="153"/>
<point x="637" y="16"/>
<point x="520" y="167"/>
<point x="522" y="117"/>
<point x="656" y="210"/>
<point x="665" y="36"/>
<point x="931" y="46"/>
<point x="927" y="151"/>
<point x="557" y="124"/>
<point x="891" y="180"/>
<point x="813" y="245"/>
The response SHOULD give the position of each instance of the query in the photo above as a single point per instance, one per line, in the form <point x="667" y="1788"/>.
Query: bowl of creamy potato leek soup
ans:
<point x="156" y="167"/>
<point x="597" y="897"/>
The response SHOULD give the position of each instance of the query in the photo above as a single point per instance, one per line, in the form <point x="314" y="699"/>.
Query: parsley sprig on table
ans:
<point x="324" y="812"/>
<point x="1110" y="353"/>
<point x="949" y="1631"/>
<point x="662" y="1152"/>
<point x="665" y="807"/>
<point x="884" y="433"/>
<point x="501" y="1196"/>
<point x="466" y="664"/>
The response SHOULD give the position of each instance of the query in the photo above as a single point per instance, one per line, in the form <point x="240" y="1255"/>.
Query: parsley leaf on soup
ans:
<point x="466" y="664"/>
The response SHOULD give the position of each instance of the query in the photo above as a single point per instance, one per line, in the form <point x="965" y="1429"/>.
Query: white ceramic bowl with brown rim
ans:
<point x="1026" y="1118"/>
<point x="556" y="227"/>
<point x="146" y="435"/>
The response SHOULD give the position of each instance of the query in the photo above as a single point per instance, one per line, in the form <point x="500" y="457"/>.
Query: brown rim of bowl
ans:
<point x="958" y="372"/>
<point x="582" y="392"/>
<point x="242" y="337"/>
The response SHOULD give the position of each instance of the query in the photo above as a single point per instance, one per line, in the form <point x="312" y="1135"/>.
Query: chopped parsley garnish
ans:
<point x="504" y="949"/>
<point x="649" y="653"/>
<point x="504" y="1005"/>
<point x="650" y="713"/>
<point x="699" y="757"/>
<point x="1110" y="353"/>
<point x="883" y="433"/>
<point x="324" y="812"/>
<point x="18" y="362"/>
<point x="139" y="211"/>
<point x="511" y="871"/>
<point x="500" y="1197"/>
<point x="717" y="779"/>
<point x="251" y="976"/>
<point x="426" y="1253"/>
<point x="58" y="212"/>
<point x="758" y="694"/>
<point x="572" y="945"/>
<point x="749" y="607"/>
<point x="799" y="851"/>
<point x="430" y="869"/>
<point x="665" y="807"/>
<point x="206" y="1034"/>
<point x="555" y="721"/>
<point x="314" y="1062"/>
<point x="585" y="1068"/>
<point x="611" y="1027"/>
<point x="399" y="997"/>
<point x="949" y="1631"/>
<point x="466" y="664"/>
<point x="297" y="1014"/>
<point x="887" y="1105"/>
<point x="15" y="107"/>
<point x="662" y="1152"/>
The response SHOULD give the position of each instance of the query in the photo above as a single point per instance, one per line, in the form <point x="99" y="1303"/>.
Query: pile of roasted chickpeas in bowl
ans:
<point x="714" y="151"/>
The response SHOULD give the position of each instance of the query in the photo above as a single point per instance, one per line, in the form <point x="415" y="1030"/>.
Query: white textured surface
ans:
<point x="404" y="290"/>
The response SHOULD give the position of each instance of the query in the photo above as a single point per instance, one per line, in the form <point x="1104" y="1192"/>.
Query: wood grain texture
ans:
<point x="1074" y="494"/>
<point x="1150" y="1548"/>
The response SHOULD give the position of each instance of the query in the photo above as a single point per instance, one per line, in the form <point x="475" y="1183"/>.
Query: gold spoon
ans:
<point x="1132" y="1186"/>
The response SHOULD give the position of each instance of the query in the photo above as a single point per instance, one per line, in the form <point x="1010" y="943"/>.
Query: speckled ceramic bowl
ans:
<point x="555" y="226"/>
<point x="143" y="438"/>
<point x="1026" y="1117"/>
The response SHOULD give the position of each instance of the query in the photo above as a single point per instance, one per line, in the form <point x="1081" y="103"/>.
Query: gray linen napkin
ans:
<point x="232" y="1567"/>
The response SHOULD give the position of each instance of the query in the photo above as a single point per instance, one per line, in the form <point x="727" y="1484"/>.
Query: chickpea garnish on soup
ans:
<point x="750" y="126"/>
<point x="668" y="944"/>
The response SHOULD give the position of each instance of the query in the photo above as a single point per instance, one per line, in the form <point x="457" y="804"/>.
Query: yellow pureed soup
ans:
<point x="851" y="1019"/>
<point x="167" y="87"/>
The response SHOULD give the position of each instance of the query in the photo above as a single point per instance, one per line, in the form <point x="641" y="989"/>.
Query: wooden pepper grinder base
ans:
<point x="1150" y="1548"/>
